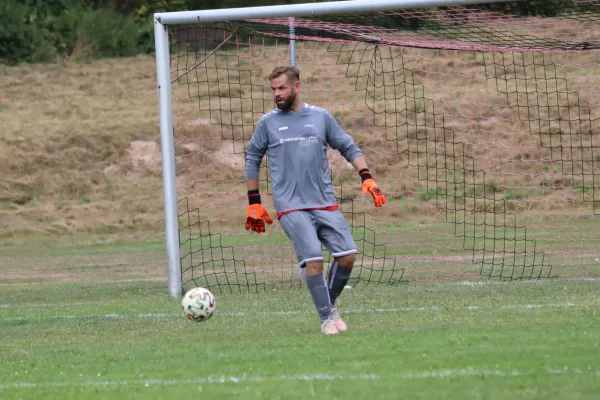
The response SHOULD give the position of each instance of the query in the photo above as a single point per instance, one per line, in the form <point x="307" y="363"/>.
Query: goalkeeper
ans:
<point x="295" y="135"/>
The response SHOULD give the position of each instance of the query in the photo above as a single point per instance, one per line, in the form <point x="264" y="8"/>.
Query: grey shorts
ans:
<point x="308" y="229"/>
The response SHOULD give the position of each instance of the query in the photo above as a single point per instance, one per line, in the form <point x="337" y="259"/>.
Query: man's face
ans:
<point x="284" y="92"/>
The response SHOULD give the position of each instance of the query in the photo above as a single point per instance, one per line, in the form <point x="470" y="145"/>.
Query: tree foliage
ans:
<point x="40" y="30"/>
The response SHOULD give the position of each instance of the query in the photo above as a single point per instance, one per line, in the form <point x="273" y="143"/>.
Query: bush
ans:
<point x="20" y="39"/>
<point x="539" y="8"/>
<point x="104" y="33"/>
<point x="62" y="30"/>
<point x="40" y="34"/>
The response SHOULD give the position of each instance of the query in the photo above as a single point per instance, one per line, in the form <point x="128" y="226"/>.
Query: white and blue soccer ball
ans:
<point x="198" y="304"/>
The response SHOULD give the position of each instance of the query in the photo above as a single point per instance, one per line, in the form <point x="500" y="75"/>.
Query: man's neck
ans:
<point x="298" y="104"/>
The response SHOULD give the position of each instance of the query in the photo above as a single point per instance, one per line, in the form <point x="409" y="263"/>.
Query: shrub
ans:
<point x="104" y="33"/>
<point x="21" y="39"/>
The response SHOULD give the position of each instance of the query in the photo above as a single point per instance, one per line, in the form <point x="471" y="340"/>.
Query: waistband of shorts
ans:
<point x="326" y="208"/>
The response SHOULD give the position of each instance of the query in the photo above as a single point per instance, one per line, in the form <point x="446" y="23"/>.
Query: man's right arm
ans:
<point x="255" y="152"/>
<point x="252" y="184"/>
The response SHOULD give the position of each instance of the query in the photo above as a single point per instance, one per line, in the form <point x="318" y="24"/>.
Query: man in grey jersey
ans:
<point x="295" y="135"/>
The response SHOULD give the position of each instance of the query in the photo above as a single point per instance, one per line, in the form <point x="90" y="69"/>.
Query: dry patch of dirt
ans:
<point x="144" y="153"/>
<point x="226" y="156"/>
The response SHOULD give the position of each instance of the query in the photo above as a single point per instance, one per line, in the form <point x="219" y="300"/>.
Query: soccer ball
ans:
<point x="198" y="304"/>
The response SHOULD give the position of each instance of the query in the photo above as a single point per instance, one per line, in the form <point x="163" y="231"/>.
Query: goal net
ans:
<point x="480" y="123"/>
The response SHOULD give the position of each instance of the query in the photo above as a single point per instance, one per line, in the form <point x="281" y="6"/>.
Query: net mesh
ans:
<point x="481" y="125"/>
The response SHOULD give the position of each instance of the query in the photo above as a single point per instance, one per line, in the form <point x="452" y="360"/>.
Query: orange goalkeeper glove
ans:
<point x="370" y="186"/>
<point x="257" y="215"/>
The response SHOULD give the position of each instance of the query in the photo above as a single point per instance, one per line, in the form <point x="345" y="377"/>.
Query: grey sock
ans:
<point x="318" y="290"/>
<point x="338" y="277"/>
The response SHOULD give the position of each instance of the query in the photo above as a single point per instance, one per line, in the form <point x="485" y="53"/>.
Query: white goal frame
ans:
<point x="163" y="71"/>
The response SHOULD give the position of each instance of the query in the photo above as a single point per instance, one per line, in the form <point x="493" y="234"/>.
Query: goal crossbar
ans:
<point x="305" y="9"/>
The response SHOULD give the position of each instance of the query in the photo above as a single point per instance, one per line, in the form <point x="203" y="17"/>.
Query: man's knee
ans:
<point x="313" y="268"/>
<point x="346" y="261"/>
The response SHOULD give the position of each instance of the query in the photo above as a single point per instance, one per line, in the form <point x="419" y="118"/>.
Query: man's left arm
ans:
<point x="340" y="140"/>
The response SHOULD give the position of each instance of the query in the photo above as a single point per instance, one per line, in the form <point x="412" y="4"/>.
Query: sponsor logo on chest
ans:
<point x="303" y="136"/>
<point x="301" y="140"/>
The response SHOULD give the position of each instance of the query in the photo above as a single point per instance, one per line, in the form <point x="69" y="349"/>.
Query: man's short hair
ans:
<point x="292" y="73"/>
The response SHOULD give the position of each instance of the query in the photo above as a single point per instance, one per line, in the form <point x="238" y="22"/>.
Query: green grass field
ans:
<point x="484" y="155"/>
<point x="90" y="318"/>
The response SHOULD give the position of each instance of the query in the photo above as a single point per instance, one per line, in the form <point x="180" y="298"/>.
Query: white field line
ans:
<point x="521" y="282"/>
<point x="47" y="305"/>
<point x="302" y="312"/>
<point x="408" y="375"/>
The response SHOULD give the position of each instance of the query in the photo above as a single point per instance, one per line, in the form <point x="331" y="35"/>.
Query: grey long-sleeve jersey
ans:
<point x="296" y="143"/>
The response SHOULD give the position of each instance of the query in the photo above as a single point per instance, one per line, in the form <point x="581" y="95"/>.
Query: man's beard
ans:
<point x="288" y="103"/>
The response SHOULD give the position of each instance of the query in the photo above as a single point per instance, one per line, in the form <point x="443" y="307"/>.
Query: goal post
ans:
<point x="165" y="112"/>
<point x="480" y="120"/>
